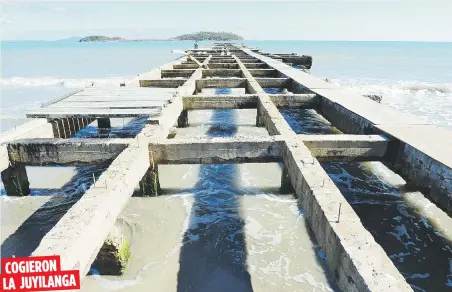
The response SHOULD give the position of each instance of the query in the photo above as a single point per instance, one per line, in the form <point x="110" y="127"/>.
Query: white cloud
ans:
<point x="60" y="9"/>
<point x="5" y="21"/>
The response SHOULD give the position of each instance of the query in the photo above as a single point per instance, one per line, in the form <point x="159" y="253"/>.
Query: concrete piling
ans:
<point x="150" y="184"/>
<point x="15" y="181"/>
<point x="182" y="121"/>
<point x="103" y="123"/>
<point x="286" y="185"/>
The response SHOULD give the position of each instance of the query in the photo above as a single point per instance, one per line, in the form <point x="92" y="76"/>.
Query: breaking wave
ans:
<point x="59" y="82"/>
<point x="385" y="87"/>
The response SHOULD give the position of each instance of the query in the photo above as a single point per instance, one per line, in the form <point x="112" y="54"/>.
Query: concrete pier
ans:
<point x="165" y="95"/>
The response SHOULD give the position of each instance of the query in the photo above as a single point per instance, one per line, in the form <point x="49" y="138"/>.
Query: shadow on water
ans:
<point x="28" y="236"/>
<point x="420" y="252"/>
<point x="213" y="256"/>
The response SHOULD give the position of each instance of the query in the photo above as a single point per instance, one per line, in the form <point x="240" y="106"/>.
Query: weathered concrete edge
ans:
<point x="36" y="128"/>
<point x="431" y="176"/>
<point x="376" y="274"/>
<point x="55" y="151"/>
<point x="356" y="261"/>
<point x="79" y="235"/>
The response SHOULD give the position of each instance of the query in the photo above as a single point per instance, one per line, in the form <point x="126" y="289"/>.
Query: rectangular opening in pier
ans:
<point x="308" y="121"/>
<point x="410" y="229"/>
<point x="118" y="128"/>
<point x="221" y="83"/>
<point x="215" y="122"/>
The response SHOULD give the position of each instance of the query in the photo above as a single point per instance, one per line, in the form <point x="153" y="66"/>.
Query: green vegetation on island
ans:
<point x="198" y="36"/>
<point x="209" y="36"/>
<point x="99" y="38"/>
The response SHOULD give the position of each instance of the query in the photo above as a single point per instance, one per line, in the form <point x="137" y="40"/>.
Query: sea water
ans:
<point x="411" y="76"/>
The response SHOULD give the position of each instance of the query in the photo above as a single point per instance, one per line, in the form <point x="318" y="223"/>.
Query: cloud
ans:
<point x="59" y="9"/>
<point x="5" y="21"/>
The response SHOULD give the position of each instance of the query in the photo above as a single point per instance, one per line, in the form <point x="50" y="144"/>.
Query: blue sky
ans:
<point x="402" y="20"/>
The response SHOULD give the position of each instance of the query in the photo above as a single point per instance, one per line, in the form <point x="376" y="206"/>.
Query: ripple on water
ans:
<point x="404" y="223"/>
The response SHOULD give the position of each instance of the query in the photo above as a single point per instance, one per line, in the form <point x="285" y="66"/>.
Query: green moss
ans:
<point x="335" y="130"/>
<point x="124" y="254"/>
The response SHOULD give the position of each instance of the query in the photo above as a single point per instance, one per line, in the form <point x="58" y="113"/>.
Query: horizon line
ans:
<point x="168" y="40"/>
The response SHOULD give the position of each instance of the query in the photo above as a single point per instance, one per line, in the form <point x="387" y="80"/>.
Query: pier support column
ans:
<point x="286" y="185"/>
<point x="57" y="127"/>
<point x="104" y="127"/>
<point x="150" y="184"/>
<point x="15" y="180"/>
<point x="103" y="123"/>
<point x="114" y="254"/>
<point x="72" y="125"/>
<point x="182" y="121"/>
<point x="66" y="128"/>
<point x="259" y="120"/>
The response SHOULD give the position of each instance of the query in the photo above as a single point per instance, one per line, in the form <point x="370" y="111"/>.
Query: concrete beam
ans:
<point x="74" y="151"/>
<point x="185" y="66"/>
<point x="346" y="147"/>
<point x="177" y="73"/>
<point x="221" y="72"/>
<point x="274" y="82"/>
<point x="163" y="83"/>
<point x="221" y="83"/>
<point x="221" y="60"/>
<point x="220" y="101"/>
<point x="294" y="100"/>
<point x="263" y="72"/>
<point x="256" y="65"/>
<point x="223" y="66"/>
<point x="248" y="101"/>
<point x="215" y="150"/>
<point x="36" y="128"/>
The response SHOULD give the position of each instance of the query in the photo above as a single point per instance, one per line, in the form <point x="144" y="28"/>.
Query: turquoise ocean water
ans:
<point x="414" y="77"/>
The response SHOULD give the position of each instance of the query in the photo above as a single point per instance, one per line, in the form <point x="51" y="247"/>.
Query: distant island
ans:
<point x="209" y="36"/>
<point x="99" y="38"/>
<point x="198" y="36"/>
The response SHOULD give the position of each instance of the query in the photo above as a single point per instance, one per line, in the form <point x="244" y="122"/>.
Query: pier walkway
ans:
<point x="418" y="151"/>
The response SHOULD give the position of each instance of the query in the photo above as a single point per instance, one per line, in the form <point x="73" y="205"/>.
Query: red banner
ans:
<point x="37" y="274"/>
